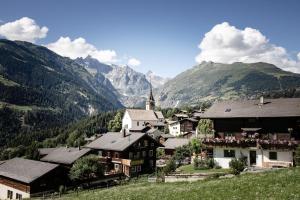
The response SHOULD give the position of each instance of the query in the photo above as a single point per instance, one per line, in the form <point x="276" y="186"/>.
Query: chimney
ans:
<point x="124" y="132"/>
<point x="261" y="100"/>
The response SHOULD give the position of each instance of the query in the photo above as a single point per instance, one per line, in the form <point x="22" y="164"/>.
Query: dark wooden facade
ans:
<point x="138" y="158"/>
<point x="270" y="128"/>
<point x="187" y="125"/>
<point x="48" y="182"/>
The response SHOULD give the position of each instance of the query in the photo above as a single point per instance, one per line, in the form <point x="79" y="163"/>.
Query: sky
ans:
<point x="165" y="36"/>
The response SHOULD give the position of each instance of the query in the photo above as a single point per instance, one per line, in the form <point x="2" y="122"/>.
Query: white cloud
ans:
<point x="227" y="44"/>
<point x="133" y="62"/>
<point x="24" y="29"/>
<point x="80" y="48"/>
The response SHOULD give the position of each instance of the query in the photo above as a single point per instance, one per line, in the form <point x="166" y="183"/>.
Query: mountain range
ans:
<point x="34" y="79"/>
<point x="132" y="87"/>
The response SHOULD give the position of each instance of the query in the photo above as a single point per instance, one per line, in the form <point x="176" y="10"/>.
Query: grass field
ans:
<point x="190" y="169"/>
<point x="279" y="184"/>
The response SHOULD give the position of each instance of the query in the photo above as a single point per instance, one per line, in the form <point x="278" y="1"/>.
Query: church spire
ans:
<point x="150" y="103"/>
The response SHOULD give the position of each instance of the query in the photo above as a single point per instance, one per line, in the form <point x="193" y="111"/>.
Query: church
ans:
<point x="136" y="120"/>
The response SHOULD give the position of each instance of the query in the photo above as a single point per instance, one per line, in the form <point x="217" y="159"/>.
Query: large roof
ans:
<point x="145" y="115"/>
<point x="65" y="155"/>
<point x="116" y="141"/>
<point x="173" y="143"/>
<point x="25" y="170"/>
<point x="159" y="114"/>
<point x="46" y="151"/>
<point x="284" y="107"/>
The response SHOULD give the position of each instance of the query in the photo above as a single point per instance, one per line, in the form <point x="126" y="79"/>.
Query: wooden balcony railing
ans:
<point x="251" y="142"/>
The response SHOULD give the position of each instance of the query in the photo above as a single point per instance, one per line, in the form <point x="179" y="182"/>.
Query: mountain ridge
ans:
<point x="209" y="81"/>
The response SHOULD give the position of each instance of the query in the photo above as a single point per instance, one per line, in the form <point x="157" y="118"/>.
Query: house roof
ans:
<point x="25" y="170"/>
<point x="181" y="115"/>
<point x="116" y="141"/>
<point x="283" y="107"/>
<point x="65" y="155"/>
<point x="155" y="133"/>
<point x="166" y="135"/>
<point x="159" y="114"/>
<point x="46" y="151"/>
<point x="145" y="115"/>
<point x="173" y="143"/>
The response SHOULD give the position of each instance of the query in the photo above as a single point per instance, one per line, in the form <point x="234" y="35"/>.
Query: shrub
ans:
<point x="86" y="168"/>
<point x="170" y="166"/>
<point x="208" y="163"/>
<point x="237" y="166"/>
<point x="297" y="156"/>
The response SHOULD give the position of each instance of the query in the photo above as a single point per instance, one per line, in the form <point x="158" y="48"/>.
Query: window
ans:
<point x="145" y="143"/>
<point x="144" y="154"/>
<point x="151" y="153"/>
<point x="137" y="123"/>
<point x="117" y="167"/>
<point x="130" y="155"/>
<point x="151" y="163"/>
<point x="272" y="155"/>
<point x="138" y="168"/>
<point x="229" y="153"/>
<point x="19" y="196"/>
<point x="100" y="153"/>
<point x="116" y="155"/>
<point x="133" y="169"/>
<point x="137" y="155"/>
<point x="9" y="194"/>
<point x="152" y="144"/>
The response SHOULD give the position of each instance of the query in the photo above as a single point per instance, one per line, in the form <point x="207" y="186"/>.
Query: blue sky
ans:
<point x="163" y="35"/>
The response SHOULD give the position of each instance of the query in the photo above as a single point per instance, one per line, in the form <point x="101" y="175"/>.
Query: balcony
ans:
<point x="251" y="142"/>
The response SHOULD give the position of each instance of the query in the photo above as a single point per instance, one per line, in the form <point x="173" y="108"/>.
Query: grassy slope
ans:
<point x="190" y="169"/>
<point x="281" y="184"/>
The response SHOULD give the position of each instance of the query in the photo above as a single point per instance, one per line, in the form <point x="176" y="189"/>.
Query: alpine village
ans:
<point x="78" y="122"/>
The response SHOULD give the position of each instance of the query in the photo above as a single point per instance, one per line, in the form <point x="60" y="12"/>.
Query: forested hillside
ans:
<point x="40" y="91"/>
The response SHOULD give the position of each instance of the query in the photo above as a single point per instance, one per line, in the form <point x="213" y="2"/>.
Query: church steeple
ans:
<point x="150" y="103"/>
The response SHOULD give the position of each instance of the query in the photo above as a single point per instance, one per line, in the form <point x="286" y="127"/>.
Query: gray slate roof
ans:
<point x="64" y="155"/>
<point x="46" y="151"/>
<point x="166" y="135"/>
<point x="25" y="170"/>
<point x="283" y="107"/>
<point x="115" y="141"/>
<point x="159" y="114"/>
<point x="172" y="143"/>
<point x="146" y="115"/>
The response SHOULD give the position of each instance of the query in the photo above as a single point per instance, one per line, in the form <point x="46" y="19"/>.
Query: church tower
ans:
<point x="150" y="103"/>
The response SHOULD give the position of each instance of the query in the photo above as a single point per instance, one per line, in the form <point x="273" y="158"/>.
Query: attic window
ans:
<point x="228" y="110"/>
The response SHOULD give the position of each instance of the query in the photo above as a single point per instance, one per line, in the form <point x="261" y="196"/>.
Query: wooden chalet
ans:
<point x="172" y="143"/>
<point x="265" y="132"/>
<point x="20" y="178"/>
<point x="128" y="153"/>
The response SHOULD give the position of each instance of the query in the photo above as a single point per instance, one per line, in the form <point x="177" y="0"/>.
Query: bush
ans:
<point x="237" y="165"/>
<point x="208" y="163"/>
<point x="170" y="166"/>
<point x="86" y="168"/>
<point x="297" y="156"/>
